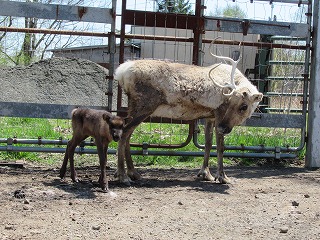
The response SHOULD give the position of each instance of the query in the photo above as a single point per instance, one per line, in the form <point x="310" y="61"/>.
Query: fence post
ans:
<point x="197" y="32"/>
<point x="313" y="134"/>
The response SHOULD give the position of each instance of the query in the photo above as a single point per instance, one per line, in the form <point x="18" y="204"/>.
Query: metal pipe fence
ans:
<point x="276" y="57"/>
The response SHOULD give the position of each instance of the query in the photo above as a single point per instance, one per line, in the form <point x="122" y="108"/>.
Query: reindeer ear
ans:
<point x="256" y="97"/>
<point x="245" y="95"/>
<point x="226" y="91"/>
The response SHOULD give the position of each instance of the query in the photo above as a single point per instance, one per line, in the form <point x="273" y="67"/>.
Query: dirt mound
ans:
<point x="56" y="81"/>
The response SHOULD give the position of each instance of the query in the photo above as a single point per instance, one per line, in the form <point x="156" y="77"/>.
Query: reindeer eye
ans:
<point x="243" y="108"/>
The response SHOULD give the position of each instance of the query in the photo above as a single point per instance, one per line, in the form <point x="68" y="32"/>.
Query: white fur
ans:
<point x="182" y="84"/>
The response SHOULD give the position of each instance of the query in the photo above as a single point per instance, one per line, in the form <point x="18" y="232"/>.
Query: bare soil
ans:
<point x="260" y="203"/>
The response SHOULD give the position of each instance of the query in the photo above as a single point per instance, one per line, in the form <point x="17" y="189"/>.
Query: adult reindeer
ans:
<point x="185" y="92"/>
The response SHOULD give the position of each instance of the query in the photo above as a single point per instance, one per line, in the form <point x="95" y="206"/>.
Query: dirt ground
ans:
<point x="260" y="203"/>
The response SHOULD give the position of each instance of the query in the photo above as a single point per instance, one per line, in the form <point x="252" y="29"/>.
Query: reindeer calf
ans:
<point x="103" y="127"/>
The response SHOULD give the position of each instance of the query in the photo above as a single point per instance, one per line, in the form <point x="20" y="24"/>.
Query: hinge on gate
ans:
<point x="39" y="140"/>
<point x="145" y="148"/>
<point x="9" y="144"/>
<point x="277" y="153"/>
<point x="245" y="26"/>
<point x="81" y="147"/>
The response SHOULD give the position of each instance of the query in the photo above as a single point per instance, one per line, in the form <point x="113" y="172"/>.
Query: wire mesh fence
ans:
<point x="271" y="38"/>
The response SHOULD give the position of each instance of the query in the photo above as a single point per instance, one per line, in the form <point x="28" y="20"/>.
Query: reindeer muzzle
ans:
<point x="224" y="129"/>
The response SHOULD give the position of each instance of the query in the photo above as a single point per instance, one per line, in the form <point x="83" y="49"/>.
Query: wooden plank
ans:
<point x="248" y="26"/>
<point x="58" y="111"/>
<point x="54" y="11"/>
<point x="276" y="120"/>
<point x="15" y="164"/>
<point x="37" y="110"/>
<point x="158" y="19"/>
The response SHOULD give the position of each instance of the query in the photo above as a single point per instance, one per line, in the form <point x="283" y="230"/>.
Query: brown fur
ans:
<point x="103" y="127"/>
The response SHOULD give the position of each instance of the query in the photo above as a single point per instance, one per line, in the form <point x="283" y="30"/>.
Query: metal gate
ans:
<point x="275" y="56"/>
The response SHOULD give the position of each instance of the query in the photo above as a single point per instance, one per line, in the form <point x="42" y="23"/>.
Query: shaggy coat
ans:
<point x="103" y="127"/>
<point x="184" y="92"/>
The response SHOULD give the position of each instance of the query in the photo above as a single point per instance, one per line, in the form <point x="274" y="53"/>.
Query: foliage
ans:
<point x="174" y="6"/>
<point x="25" y="48"/>
<point x="232" y="11"/>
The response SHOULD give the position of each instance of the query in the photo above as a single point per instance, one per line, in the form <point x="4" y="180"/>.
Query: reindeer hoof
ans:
<point x="205" y="175"/>
<point x="123" y="179"/>
<point x="222" y="179"/>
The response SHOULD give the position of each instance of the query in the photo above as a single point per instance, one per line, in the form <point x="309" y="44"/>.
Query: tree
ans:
<point x="174" y="6"/>
<point x="30" y="47"/>
<point x="232" y="11"/>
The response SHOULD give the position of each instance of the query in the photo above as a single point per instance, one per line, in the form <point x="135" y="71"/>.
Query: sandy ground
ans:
<point x="260" y="203"/>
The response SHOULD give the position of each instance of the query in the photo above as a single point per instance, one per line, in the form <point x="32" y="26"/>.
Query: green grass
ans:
<point x="151" y="133"/>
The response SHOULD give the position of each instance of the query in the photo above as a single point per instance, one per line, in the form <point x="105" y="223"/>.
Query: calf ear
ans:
<point x="106" y="117"/>
<point x="127" y="120"/>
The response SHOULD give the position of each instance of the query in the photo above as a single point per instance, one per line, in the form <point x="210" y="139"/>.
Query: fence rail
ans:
<point x="267" y="44"/>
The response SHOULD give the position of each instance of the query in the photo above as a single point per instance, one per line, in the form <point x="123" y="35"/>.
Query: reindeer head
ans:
<point x="236" y="109"/>
<point x="240" y="101"/>
<point x="116" y="125"/>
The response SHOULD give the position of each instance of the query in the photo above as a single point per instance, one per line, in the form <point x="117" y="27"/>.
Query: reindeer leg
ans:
<point x="124" y="151"/>
<point x="205" y="171"/>
<point x="131" y="171"/>
<point x="139" y="109"/>
<point x="120" y="173"/>
<point x="220" y="175"/>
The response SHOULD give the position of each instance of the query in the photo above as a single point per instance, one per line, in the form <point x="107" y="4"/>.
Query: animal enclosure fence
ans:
<point x="274" y="49"/>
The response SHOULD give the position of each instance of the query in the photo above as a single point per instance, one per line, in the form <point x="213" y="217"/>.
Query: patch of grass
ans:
<point x="151" y="133"/>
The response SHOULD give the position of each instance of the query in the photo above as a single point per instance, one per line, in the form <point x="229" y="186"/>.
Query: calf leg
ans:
<point x="102" y="152"/>
<point x="205" y="171"/>
<point x="220" y="175"/>
<point x="63" y="168"/>
<point x="69" y="154"/>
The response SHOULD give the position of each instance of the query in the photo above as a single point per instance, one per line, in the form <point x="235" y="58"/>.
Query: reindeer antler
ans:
<point x="234" y="63"/>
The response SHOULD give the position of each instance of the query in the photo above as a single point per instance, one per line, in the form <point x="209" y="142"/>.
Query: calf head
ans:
<point x="236" y="109"/>
<point x="116" y="125"/>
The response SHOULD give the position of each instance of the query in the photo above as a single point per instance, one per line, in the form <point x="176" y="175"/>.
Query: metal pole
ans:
<point x="197" y="32"/>
<point x="112" y="51"/>
<point x="313" y="134"/>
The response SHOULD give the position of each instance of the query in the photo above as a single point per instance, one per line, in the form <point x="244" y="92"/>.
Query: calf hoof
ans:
<point x="76" y="179"/>
<point x="105" y="189"/>
<point x="133" y="175"/>
<point x="62" y="174"/>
